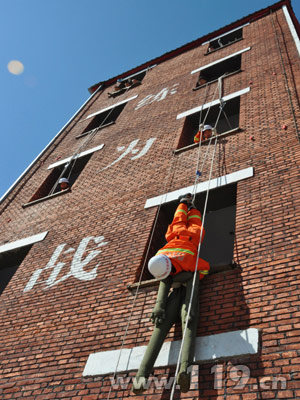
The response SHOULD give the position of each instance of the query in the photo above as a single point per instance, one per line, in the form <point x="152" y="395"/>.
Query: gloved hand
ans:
<point x="158" y="315"/>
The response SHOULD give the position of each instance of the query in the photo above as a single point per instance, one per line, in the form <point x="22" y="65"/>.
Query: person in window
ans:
<point x="64" y="183"/>
<point x="202" y="80"/>
<point x="120" y="84"/>
<point x="125" y="84"/>
<point x="183" y="237"/>
<point x="205" y="134"/>
<point x="174" y="265"/>
<point x="131" y="82"/>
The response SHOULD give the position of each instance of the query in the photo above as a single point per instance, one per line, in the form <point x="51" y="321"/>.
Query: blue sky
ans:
<point x="67" y="46"/>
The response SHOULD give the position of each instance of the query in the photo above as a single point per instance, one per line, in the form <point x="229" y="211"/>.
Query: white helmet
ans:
<point x="160" y="266"/>
<point x="63" y="180"/>
<point x="207" y="127"/>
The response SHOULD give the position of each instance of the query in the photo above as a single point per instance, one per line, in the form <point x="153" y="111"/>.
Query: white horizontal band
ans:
<point x="110" y="107"/>
<point x="224" y="34"/>
<point x="201" y="187"/>
<point x="213" y="103"/>
<point x="137" y="73"/>
<point x="207" y="348"/>
<point x="84" y="153"/>
<point x="220" y="60"/>
<point x="23" y="242"/>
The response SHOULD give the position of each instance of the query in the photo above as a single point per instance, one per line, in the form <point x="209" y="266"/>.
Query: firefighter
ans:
<point x="202" y="80"/>
<point x="64" y="183"/>
<point x="183" y="237"/>
<point x="120" y="84"/>
<point x="173" y="266"/>
<point x="206" y="134"/>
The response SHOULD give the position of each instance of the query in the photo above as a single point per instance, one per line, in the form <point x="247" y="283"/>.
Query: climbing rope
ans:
<point x="286" y="82"/>
<point x="71" y="163"/>
<point x="142" y="270"/>
<point x="148" y="248"/>
<point x="221" y="108"/>
<point x="195" y="272"/>
<point x="151" y="238"/>
<point x="199" y="172"/>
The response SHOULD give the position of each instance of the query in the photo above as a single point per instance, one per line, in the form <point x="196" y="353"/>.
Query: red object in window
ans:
<point x="284" y="127"/>
<point x="274" y="73"/>
<point x="58" y="158"/>
<point x="250" y="82"/>
<point x="252" y="138"/>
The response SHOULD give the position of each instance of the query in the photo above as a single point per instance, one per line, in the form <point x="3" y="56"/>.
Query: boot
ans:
<point x="185" y="199"/>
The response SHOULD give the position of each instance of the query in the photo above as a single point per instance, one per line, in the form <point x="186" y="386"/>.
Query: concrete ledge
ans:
<point x="201" y="187"/>
<point x="220" y="60"/>
<point x="212" y="103"/>
<point x="23" y="242"/>
<point x="79" y="155"/>
<point x="208" y="348"/>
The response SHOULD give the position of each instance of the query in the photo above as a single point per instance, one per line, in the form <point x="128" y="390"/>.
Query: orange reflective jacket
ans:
<point x="183" y="238"/>
<point x="197" y="137"/>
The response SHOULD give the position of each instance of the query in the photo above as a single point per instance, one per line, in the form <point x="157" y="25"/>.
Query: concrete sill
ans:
<point x="216" y="80"/>
<point x="51" y="196"/>
<point x="94" y="130"/>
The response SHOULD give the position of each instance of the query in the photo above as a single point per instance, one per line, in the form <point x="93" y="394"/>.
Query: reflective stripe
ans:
<point x="204" y="272"/>
<point x="181" y="210"/>
<point x="194" y="216"/>
<point x="196" y="139"/>
<point x="176" y="249"/>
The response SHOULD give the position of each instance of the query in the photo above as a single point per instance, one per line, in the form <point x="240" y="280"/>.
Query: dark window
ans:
<point x="9" y="263"/>
<point x="226" y="67"/>
<point x="122" y="85"/>
<point x="228" y="120"/>
<point x="218" y="244"/>
<point x="70" y="170"/>
<point x="103" y="119"/>
<point x="225" y="40"/>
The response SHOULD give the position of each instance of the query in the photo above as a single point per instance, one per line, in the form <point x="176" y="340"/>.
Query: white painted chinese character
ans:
<point x="158" y="97"/>
<point x="146" y="100"/>
<point x="131" y="150"/>
<point x="77" y="265"/>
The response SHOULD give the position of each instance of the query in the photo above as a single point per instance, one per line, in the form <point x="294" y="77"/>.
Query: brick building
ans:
<point x="75" y="293"/>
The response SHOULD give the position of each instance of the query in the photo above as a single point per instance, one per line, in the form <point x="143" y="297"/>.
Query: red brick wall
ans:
<point x="47" y="333"/>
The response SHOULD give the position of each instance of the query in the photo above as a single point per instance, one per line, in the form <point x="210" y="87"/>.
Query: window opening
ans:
<point x="9" y="263"/>
<point x="103" y="119"/>
<point x="218" y="244"/>
<point x="70" y="170"/>
<point x="228" y="121"/>
<point x="122" y="85"/>
<point x="225" y="40"/>
<point x="225" y="68"/>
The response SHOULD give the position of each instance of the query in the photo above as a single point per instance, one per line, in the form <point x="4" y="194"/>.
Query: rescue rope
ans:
<point x="198" y="173"/>
<point x="221" y="107"/>
<point x="285" y="74"/>
<point x="75" y="155"/>
<point x="142" y="269"/>
<point x="195" y="273"/>
<point x="151" y="238"/>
